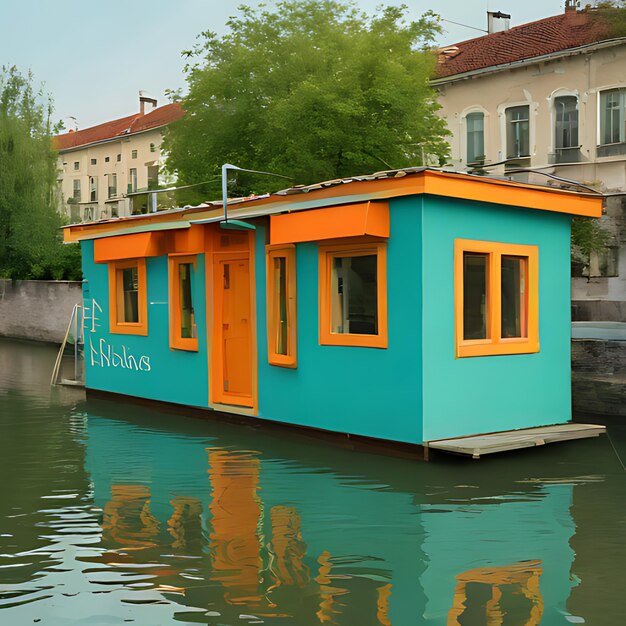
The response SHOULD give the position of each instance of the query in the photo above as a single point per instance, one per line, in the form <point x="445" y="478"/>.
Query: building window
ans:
<point x="353" y="294"/>
<point x="612" y="104"/>
<point x="76" y="190"/>
<point x="119" y="157"/>
<point x="128" y="297"/>
<point x="93" y="188"/>
<point x="566" y="109"/>
<point x="496" y="298"/>
<point x="94" y="161"/>
<point x="132" y="185"/>
<point x="475" y="124"/>
<point x="107" y="159"/>
<point x="517" y="132"/>
<point x="152" y="148"/>
<point x="281" y="306"/>
<point x="183" y="334"/>
<point x="133" y="154"/>
<point x="76" y="165"/>
<point x="112" y="185"/>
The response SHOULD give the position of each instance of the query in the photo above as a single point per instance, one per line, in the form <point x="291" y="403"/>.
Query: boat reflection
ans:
<point x="224" y="531"/>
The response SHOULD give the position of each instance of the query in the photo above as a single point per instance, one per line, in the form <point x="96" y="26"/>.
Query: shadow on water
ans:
<point x="112" y="512"/>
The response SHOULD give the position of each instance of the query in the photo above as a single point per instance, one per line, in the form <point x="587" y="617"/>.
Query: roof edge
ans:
<point x="492" y="69"/>
<point x="399" y="183"/>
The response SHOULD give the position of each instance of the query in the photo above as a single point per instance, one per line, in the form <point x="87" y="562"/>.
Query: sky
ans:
<point x="94" y="57"/>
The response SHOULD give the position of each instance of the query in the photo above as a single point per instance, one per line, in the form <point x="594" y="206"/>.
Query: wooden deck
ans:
<point x="477" y="445"/>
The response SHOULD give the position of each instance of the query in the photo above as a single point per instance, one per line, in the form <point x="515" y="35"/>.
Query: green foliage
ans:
<point x="587" y="236"/>
<point x="314" y="90"/>
<point x="612" y="15"/>
<point x="30" y="239"/>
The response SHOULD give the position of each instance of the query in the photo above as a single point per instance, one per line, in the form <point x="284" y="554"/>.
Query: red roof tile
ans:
<point x="552" y="34"/>
<point x="117" y="128"/>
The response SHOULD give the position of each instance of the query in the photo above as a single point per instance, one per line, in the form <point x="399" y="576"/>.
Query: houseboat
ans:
<point x="411" y="306"/>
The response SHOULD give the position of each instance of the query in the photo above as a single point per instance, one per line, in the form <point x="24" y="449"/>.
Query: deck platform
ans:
<point x="477" y="445"/>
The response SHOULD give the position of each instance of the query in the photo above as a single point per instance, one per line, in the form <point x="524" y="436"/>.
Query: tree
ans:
<point x="314" y="90"/>
<point x="30" y="245"/>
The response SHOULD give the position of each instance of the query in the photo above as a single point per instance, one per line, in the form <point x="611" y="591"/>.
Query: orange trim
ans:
<point x="273" y="320"/>
<point x="116" y="298"/>
<point x="189" y="240"/>
<point x="495" y="344"/>
<point x="129" y="247"/>
<point x="446" y="184"/>
<point x="348" y="220"/>
<point x="326" y="255"/>
<point x="177" y="341"/>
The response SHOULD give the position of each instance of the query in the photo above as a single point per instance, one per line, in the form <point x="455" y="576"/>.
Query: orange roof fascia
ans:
<point x="345" y="220"/>
<point x="512" y="194"/>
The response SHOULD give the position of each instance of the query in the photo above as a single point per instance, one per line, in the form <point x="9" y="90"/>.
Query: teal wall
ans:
<point x="163" y="374"/>
<point x="493" y="393"/>
<point x="373" y="392"/>
<point x="364" y="391"/>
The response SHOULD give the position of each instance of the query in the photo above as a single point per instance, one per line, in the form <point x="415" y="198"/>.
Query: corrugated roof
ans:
<point x="571" y="29"/>
<point x="120" y="127"/>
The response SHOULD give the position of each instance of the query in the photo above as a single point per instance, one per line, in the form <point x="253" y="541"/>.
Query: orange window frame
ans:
<point x="495" y="344"/>
<point x="327" y="253"/>
<point x="116" y="298"/>
<point x="288" y="252"/>
<point x="177" y="341"/>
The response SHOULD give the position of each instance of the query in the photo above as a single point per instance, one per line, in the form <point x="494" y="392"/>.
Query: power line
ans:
<point x="482" y="30"/>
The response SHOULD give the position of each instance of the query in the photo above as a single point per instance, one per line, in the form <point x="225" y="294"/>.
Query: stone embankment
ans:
<point x="37" y="309"/>
<point x="598" y="377"/>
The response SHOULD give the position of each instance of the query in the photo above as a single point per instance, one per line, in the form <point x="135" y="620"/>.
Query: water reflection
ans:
<point x="110" y="512"/>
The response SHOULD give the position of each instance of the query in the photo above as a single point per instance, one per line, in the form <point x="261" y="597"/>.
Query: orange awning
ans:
<point x="347" y="220"/>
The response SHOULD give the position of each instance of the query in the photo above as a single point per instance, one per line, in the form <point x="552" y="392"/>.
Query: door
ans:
<point x="232" y="349"/>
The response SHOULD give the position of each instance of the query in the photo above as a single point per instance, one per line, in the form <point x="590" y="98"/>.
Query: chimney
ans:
<point x="571" y="5"/>
<point x="497" y="21"/>
<point x="143" y="98"/>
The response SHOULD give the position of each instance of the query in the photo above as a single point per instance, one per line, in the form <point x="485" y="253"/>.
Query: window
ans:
<point x="566" y="109"/>
<point x="119" y="157"/>
<point x="496" y="298"/>
<point x="517" y="132"/>
<point x="133" y="154"/>
<point x="183" y="333"/>
<point x="612" y="103"/>
<point x="93" y="188"/>
<point x="475" y="123"/>
<point x="76" y="190"/>
<point x="76" y="165"/>
<point x="353" y="294"/>
<point x="94" y="161"/>
<point x="281" y="306"/>
<point x="152" y="148"/>
<point x="112" y="185"/>
<point x="107" y="159"/>
<point x="132" y="185"/>
<point x="128" y="297"/>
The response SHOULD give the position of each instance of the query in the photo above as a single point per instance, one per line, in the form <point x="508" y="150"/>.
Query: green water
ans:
<point x="112" y="513"/>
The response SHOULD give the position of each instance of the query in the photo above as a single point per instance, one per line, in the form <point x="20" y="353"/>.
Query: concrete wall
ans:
<point x="598" y="378"/>
<point x="37" y="309"/>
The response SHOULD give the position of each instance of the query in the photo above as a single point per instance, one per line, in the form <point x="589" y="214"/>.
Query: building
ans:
<point x="406" y="306"/>
<point x="102" y="166"/>
<point x="548" y="96"/>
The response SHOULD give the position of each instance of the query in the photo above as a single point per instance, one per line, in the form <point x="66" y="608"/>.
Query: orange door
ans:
<point x="232" y="381"/>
